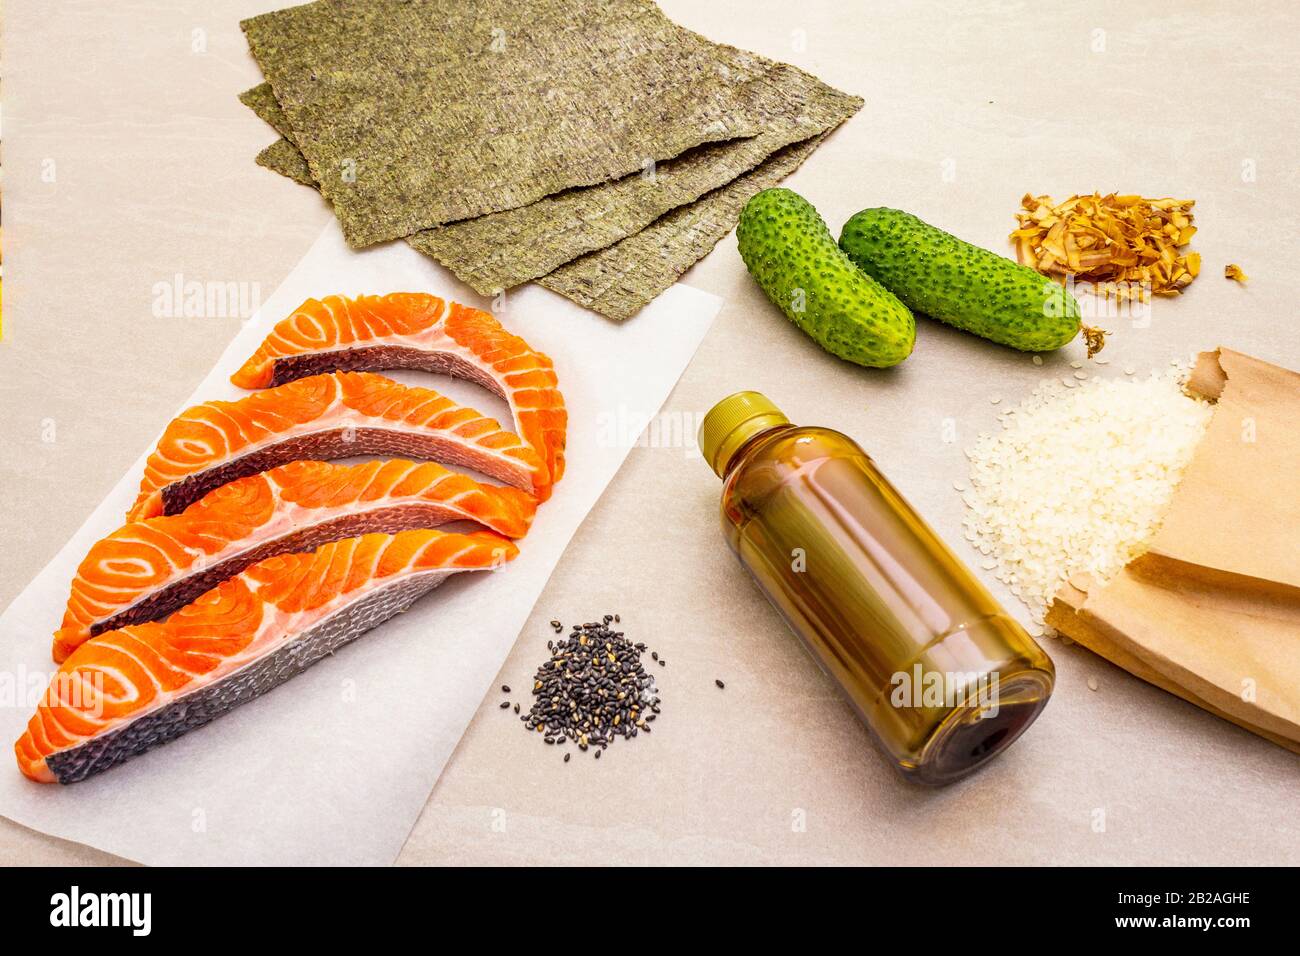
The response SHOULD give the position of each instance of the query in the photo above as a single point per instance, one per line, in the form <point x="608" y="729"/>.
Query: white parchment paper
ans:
<point x="335" y="766"/>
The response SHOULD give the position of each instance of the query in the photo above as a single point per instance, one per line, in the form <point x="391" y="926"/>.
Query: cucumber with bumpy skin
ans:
<point x="937" y="274"/>
<point x="794" y="258"/>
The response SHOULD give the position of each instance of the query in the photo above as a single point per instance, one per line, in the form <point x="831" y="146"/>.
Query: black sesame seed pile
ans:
<point x="593" y="689"/>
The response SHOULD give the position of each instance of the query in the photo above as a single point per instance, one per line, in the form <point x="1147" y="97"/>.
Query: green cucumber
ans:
<point x="793" y="256"/>
<point x="937" y="274"/>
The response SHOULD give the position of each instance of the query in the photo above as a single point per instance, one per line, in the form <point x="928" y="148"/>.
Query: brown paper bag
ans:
<point x="1211" y="611"/>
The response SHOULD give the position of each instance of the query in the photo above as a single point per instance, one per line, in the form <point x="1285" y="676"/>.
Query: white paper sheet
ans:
<point x="335" y="766"/>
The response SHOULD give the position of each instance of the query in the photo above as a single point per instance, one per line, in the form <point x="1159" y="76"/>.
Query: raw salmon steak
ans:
<point x="147" y="569"/>
<point x="129" y="690"/>
<point x="326" y="416"/>
<point x="418" y="331"/>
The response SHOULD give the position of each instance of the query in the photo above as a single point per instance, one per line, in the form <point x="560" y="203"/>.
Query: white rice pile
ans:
<point x="1078" y="479"/>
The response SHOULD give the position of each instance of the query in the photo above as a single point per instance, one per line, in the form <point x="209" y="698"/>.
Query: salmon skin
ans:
<point x="147" y="569"/>
<point x="126" y="691"/>
<point x="326" y="416"/>
<point x="418" y="331"/>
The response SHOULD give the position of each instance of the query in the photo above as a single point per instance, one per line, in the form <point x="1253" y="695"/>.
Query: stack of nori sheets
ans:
<point x="591" y="145"/>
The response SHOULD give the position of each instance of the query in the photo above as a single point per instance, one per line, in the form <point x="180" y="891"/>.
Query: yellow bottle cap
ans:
<point x="732" y="422"/>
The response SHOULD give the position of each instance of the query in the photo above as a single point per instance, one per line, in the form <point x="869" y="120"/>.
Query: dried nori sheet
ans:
<point x="261" y="100"/>
<point x="622" y="279"/>
<point x="416" y="113"/>
<point x="282" y="156"/>
<point x="286" y="159"/>
<point x="504" y="249"/>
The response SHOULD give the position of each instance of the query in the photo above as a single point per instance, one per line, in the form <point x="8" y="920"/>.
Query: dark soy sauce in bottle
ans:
<point x="942" y="676"/>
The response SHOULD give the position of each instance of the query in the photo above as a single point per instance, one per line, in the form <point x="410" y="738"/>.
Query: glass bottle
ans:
<point x="942" y="676"/>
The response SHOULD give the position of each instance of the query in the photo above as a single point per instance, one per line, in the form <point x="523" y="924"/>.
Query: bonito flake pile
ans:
<point x="1078" y="479"/>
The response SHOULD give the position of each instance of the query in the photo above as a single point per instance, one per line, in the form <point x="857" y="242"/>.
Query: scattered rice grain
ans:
<point x="1078" y="478"/>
